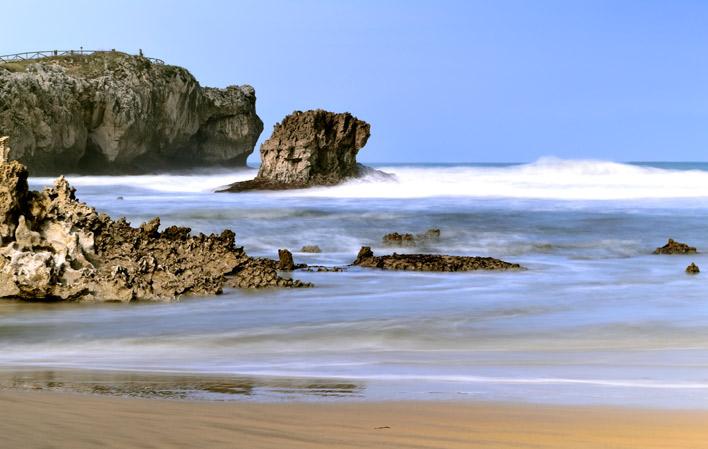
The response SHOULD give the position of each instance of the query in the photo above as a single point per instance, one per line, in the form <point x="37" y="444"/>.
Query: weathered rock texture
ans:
<point x="430" y="262"/>
<point x="54" y="247"/>
<point x="407" y="239"/>
<point x="112" y="112"/>
<point x="674" y="247"/>
<point x="312" y="148"/>
<point x="693" y="269"/>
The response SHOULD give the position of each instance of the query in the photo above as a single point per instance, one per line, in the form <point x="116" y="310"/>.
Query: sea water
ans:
<point x="596" y="318"/>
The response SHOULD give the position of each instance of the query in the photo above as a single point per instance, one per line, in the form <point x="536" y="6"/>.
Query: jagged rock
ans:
<point x="674" y="247"/>
<point x="430" y="262"/>
<point x="312" y="148"/>
<point x="407" y="239"/>
<point x="310" y="249"/>
<point x="111" y="112"/>
<point x="285" y="262"/>
<point x="693" y="269"/>
<point x="55" y="247"/>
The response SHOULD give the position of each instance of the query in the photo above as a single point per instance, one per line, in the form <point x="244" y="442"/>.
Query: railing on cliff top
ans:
<point x="31" y="55"/>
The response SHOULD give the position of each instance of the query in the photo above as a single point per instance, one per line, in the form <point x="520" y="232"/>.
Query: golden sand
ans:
<point x="64" y="420"/>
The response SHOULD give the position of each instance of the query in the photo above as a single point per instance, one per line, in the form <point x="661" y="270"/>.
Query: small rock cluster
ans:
<point x="396" y="239"/>
<point x="430" y="262"/>
<point x="674" y="247"/>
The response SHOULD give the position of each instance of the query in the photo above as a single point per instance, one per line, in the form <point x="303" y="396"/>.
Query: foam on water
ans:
<point x="547" y="178"/>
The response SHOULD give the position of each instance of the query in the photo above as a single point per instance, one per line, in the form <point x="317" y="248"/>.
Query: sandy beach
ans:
<point x="66" y="420"/>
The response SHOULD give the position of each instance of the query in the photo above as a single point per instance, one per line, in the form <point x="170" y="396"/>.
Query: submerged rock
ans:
<point x="54" y="247"/>
<point x="430" y="262"/>
<point x="396" y="239"/>
<point x="312" y="148"/>
<point x="310" y="249"/>
<point x="110" y="112"/>
<point x="693" y="269"/>
<point x="674" y="247"/>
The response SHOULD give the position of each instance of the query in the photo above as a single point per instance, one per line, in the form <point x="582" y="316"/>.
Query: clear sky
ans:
<point x="440" y="81"/>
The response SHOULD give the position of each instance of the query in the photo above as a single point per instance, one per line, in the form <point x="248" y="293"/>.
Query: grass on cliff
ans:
<point x="85" y="65"/>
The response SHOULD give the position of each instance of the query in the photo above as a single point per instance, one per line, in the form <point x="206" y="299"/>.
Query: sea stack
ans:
<point x="110" y="113"/>
<point x="307" y="149"/>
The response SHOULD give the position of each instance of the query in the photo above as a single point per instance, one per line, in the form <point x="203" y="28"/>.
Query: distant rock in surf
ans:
<point x="310" y="249"/>
<point x="430" y="262"/>
<point x="110" y="112"/>
<point x="692" y="269"/>
<point x="54" y="247"/>
<point x="674" y="247"/>
<point x="307" y="149"/>
<point x="407" y="239"/>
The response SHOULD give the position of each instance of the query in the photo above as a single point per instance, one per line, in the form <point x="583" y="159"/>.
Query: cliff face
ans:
<point x="111" y="112"/>
<point x="312" y="148"/>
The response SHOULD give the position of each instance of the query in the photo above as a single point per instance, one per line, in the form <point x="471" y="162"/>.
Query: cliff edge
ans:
<point x="110" y="112"/>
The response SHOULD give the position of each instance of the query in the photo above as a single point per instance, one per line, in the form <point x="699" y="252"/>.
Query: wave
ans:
<point x="547" y="178"/>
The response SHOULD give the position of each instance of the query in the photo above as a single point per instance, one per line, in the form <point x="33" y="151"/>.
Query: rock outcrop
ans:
<point x="407" y="239"/>
<point x="54" y="247"/>
<point x="693" y="269"/>
<point x="110" y="112"/>
<point x="310" y="249"/>
<point x="674" y="247"/>
<point x="430" y="262"/>
<point x="312" y="148"/>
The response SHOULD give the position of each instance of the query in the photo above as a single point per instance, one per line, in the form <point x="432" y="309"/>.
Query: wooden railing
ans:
<point x="31" y="55"/>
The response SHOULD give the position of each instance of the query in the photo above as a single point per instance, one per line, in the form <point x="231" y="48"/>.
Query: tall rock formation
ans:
<point x="312" y="148"/>
<point x="110" y="112"/>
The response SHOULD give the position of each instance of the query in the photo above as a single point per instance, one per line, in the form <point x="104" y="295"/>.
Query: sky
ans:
<point x="439" y="81"/>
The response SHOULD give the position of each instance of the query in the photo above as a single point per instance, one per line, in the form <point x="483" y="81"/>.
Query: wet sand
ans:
<point x="45" y="420"/>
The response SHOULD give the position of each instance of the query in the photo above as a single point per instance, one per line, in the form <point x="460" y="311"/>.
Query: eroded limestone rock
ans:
<point x="430" y="262"/>
<point x="113" y="112"/>
<point x="693" y="269"/>
<point x="55" y="247"/>
<point x="312" y="148"/>
<point x="674" y="247"/>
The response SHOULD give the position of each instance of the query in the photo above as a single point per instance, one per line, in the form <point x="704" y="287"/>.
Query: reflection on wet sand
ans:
<point x="179" y="386"/>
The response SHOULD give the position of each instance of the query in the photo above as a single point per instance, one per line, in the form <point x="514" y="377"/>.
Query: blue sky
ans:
<point x="440" y="81"/>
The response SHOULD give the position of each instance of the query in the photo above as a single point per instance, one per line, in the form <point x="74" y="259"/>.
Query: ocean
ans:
<point x="596" y="318"/>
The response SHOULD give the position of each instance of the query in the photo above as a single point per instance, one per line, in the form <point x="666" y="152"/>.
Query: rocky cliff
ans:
<point x="110" y="112"/>
<point x="312" y="148"/>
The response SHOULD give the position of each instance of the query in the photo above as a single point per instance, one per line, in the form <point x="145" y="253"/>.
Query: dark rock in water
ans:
<point x="693" y="269"/>
<point x="322" y="269"/>
<point x="54" y="247"/>
<point x="110" y="112"/>
<point x="285" y="262"/>
<point x="430" y="262"/>
<point x="674" y="247"/>
<point x="310" y="249"/>
<point x="312" y="148"/>
<point x="396" y="239"/>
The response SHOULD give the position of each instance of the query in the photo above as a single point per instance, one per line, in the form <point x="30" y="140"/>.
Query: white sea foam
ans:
<point x="547" y="178"/>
